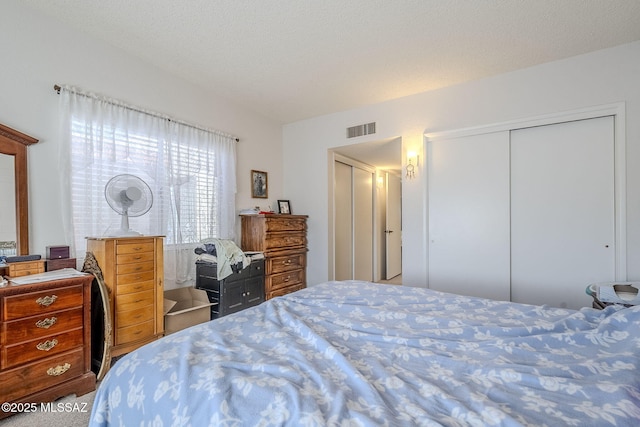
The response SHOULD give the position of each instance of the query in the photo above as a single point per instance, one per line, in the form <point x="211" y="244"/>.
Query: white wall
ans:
<point x="598" y="78"/>
<point x="38" y="52"/>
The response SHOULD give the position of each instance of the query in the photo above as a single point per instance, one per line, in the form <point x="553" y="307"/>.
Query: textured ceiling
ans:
<point x="295" y="59"/>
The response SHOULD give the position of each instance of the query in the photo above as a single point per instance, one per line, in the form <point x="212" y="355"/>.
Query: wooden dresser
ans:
<point x="133" y="271"/>
<point x="45" y="341"/>
<point x="283" y="240"/>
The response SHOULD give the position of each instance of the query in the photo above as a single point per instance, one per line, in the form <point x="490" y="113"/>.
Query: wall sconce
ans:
<point x="413" y="160"/>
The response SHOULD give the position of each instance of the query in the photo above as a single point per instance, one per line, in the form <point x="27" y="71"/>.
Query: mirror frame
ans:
<point x="14" y="143"/>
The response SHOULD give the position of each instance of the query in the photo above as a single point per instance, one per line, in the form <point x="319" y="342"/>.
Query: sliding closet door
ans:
<point x="469" y="215"/>
<point x="562" y="211"/>
<point x="353" y="202"/>
<point x="343" y="222"/>
<point x="362" y="224"/>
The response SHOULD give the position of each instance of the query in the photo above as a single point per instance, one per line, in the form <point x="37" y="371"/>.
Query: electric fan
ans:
<point x="129" y="196"/>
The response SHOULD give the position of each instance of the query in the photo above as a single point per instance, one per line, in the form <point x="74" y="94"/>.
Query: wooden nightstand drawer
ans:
<point x="36" y="303"/>
<point x="39" y="348"/>
<point x="134" y="332"/>
<point x="36" y="327"/>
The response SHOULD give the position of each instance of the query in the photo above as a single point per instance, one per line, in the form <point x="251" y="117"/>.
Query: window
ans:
<point x="191" y="173"/>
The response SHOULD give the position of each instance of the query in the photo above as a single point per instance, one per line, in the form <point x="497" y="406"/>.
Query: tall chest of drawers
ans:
<point x="283" y="240"/>
<point x="133" y="271"/>
<point x="45" y="340"/>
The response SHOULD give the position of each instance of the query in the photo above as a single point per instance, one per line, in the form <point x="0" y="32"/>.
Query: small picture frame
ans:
<point x="259" y="186"/>
<point x="284" y="207"/>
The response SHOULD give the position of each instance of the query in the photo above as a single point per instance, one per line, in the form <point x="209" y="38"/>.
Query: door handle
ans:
<point x="388" y="231"/>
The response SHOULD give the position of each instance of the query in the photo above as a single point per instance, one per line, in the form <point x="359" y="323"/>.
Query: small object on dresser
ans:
<point x="54" y="252"/>
<point x="26" y="268"/>
<point x="22" y="258"/>
<point x="60" y="263"/>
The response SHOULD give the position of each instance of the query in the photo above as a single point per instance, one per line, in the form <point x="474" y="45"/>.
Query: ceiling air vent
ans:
<point x="360" y="130"/>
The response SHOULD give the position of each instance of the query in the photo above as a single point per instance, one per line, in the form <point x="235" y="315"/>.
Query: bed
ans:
<point x="363" y="354"/>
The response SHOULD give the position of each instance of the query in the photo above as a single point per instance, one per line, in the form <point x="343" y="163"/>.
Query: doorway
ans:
<point x="365" y="205"/>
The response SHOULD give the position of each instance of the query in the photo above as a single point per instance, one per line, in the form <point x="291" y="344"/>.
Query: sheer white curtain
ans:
<point x="191" y="172"/>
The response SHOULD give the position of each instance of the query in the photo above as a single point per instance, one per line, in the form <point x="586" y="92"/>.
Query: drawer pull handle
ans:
<point x="287" y="279"/>
<point x="58" y="370"/>
<point x="137" y="248"/>
<point x="287" y="262"/>
<point x="47" y="345"/>
<point x="46" y="323"/>
<point x="47" y="301"/>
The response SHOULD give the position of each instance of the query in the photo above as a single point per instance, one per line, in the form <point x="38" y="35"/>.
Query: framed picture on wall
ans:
<point x="259" y="188"/>
<point x="284" y="207"/>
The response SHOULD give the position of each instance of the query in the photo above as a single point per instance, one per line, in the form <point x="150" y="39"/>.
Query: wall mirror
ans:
<point x="14" y="223"/>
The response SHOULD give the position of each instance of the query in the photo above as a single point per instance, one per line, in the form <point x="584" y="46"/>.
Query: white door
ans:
<point x="468" y="186"/>
<point x="343" y="222"/>
<point x="353" y="221"/>
<point x="562" y="211"/>
<point x="362" y="224"/>
<point x="393" y="226"/>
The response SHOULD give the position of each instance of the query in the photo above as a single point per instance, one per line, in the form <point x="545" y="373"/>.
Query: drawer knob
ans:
<point x="46" y="323"/>
<point x="47" y="301"/>
<point x="287" y="262"/>
<point x="47" y="345"/>
<point x="58" y="370"/>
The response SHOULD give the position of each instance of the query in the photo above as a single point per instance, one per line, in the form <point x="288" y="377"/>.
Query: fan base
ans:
<point x="125" y="233"/>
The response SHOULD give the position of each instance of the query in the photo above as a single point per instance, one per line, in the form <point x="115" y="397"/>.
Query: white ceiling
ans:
<point x="295" y="59"/>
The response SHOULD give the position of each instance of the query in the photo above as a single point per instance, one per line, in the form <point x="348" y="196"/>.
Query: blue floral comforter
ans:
<point x="361" y="354"/>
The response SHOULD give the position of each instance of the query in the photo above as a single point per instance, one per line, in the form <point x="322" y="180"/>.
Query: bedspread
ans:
<point x="362" y="354"/>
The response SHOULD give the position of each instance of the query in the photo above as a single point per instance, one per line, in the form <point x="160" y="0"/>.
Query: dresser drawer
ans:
<point x="136" y="287"/>
<point x="139" y="246"/>
<point x="134" y="332"/>
<point x="132" y="317"/>
<point x="30" y="351"/>
<point x="285" y="241"/>
<point x="126" y="279"/>
<point x="279" y="264"/>
<point x="285" y="224"/>
<point x="134" y="301"/>
<point x="284" y="291"/>
<point x="41" y="374"/>
<point x="35" y="303"/>
<point x="134" y="258"/>
<point x="135" y="267"/>
<point x="35" y="327"/>
<point x="283" y="280"/>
